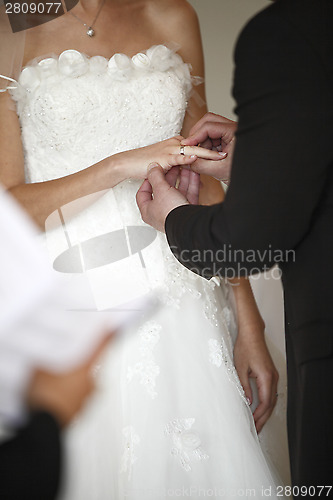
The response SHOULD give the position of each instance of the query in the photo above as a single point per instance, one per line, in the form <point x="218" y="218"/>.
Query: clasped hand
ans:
<point x="168" y="154"/>
<point x="216" y="133"/>
<point x="208" y="150"/>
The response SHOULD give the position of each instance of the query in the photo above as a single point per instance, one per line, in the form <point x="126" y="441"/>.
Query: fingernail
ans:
<point x="151" y="166"/>
<point x="248" y="401"/>
<point x="193" y="156"/>
<point x="223" y="154"/>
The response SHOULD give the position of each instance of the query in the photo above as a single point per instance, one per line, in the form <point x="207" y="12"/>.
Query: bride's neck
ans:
<point x="90" y="5"/>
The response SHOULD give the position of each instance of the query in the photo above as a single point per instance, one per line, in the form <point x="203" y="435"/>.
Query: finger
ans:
<point x="262" y="409"/>
<point x="193" y="188"/>
<point x="218" y="169"/>
<point x="144" y="195"/>
<point x="206" y="154"/>
<point x="265" y="391"/>
<point x="184" y="182"/>
<point x="172" y="176"/>
<point x="262" y="420"/>
<point x="210" y="130"/>
<point x="156" y="177"/>
<point x="178" y="159"/>
<point x="207" y="131"/>
<point x="209" y="118"/>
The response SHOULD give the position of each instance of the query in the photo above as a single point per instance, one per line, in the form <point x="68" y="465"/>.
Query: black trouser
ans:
<point x="310" y="417"/>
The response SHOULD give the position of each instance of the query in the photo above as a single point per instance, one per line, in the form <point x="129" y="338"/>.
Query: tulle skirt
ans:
<point x="169" y="418"/>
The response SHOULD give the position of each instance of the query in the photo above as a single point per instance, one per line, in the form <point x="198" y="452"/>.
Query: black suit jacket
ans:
<point x="281" y="192"/>
<point x="30" y="463"/>
<point x="279" y="207"/>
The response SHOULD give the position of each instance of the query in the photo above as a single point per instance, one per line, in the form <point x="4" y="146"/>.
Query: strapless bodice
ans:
<point x="75" y="110"/>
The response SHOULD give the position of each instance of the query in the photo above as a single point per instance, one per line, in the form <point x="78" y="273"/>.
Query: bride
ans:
<point x="103" y="93"/>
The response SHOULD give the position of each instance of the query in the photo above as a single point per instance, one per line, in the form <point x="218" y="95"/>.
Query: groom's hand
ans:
<point x="217" y="133"/>
<point x="158" y="195"/>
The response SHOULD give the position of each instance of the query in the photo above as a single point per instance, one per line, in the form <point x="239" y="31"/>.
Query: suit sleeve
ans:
<point x="283" y="158"/>
<point x="30" y="463"/>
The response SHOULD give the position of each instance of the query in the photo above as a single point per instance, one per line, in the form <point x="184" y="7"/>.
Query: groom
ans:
<point x="278" y="209"/>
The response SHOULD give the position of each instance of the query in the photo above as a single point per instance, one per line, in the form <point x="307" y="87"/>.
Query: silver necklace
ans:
<point x="90" y="31"/>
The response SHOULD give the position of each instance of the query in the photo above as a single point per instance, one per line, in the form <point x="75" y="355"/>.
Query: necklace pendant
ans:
<point x="90" y="31"/>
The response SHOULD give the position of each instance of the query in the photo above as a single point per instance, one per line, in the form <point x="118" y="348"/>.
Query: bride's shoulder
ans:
<point x="172" y="5"/>
<point x="175" y="19"/>
<point x="172" y="13"/>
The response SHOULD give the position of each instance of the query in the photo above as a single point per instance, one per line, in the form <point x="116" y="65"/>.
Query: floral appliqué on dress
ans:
<point x="146" y="369"/>
<point x="186" y="444"/>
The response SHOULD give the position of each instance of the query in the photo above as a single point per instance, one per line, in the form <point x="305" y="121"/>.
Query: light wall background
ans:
<point x="221" y="22"/>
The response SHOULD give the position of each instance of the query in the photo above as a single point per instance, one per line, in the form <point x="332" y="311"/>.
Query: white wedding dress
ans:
<point x="169" y="417"/>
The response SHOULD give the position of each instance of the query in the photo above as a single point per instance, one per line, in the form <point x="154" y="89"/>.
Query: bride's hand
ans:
<point x="253" y="360"/>
<point x="134" y="163"/>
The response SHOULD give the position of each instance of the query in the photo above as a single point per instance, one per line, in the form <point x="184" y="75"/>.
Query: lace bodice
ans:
<point x="75" y="111"/>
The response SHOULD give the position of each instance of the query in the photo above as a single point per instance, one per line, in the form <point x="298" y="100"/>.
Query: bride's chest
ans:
<point x="76" y="100"/>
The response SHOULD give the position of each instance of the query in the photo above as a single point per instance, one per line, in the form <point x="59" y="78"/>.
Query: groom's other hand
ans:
<point x="217" y="133"/>
<point x="158" y="195"/>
